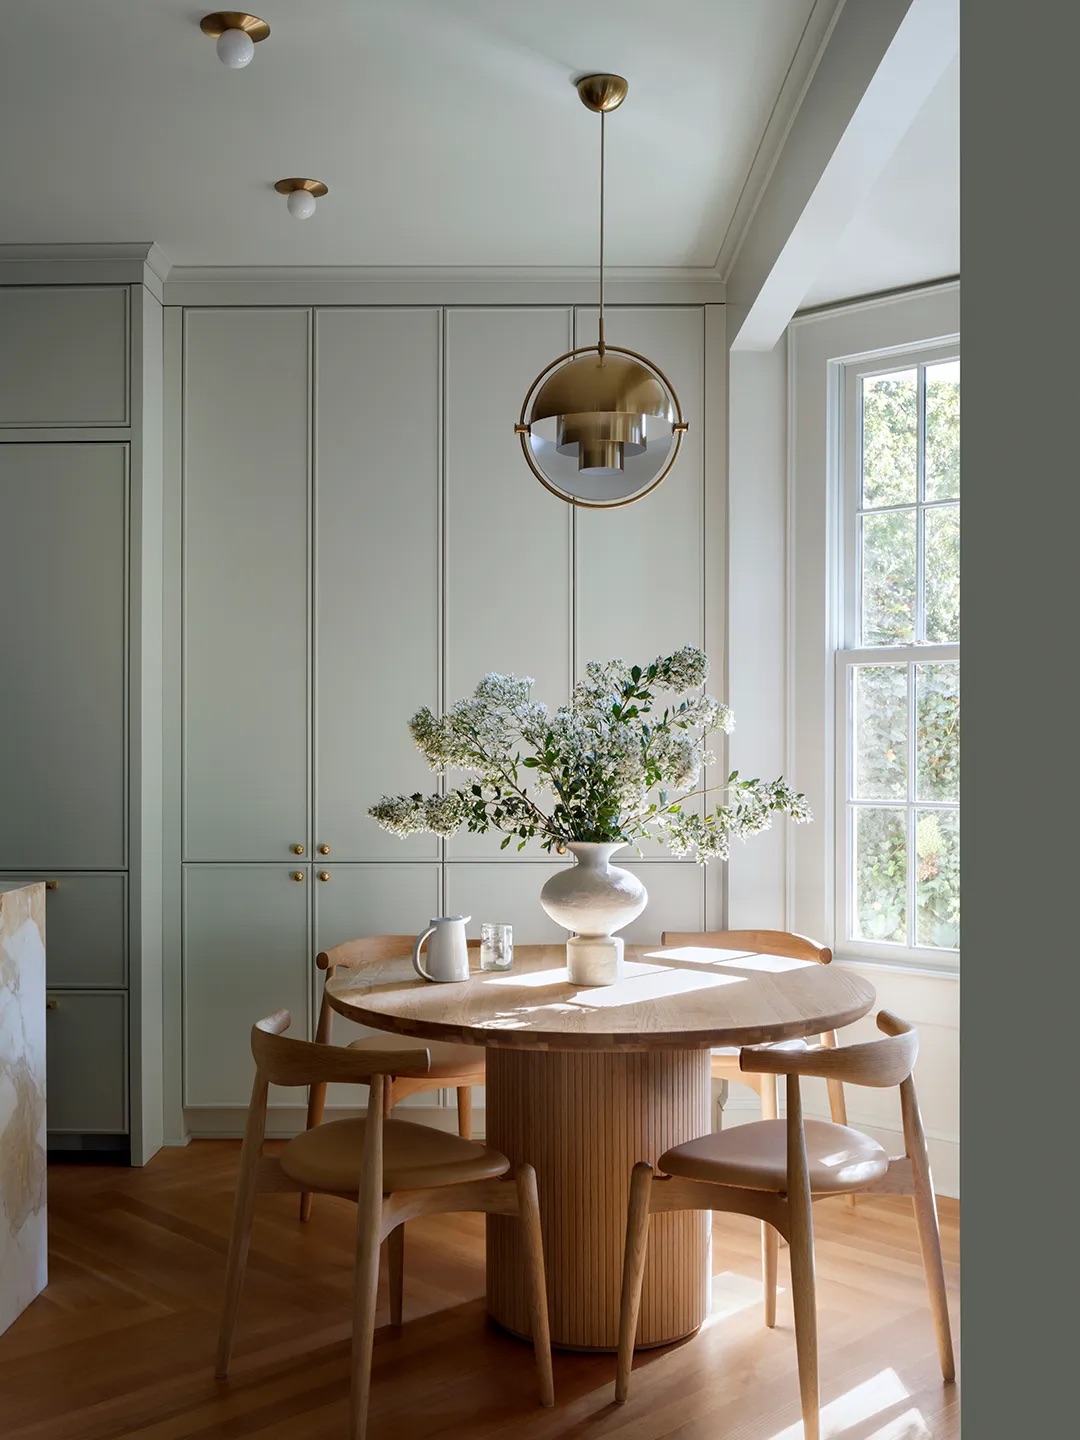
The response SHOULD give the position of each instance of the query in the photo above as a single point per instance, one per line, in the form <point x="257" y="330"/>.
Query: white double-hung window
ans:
<point x="897" y="701"/>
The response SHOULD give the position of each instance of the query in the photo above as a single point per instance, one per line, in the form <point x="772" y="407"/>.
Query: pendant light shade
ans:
<point x="600" y="426"/>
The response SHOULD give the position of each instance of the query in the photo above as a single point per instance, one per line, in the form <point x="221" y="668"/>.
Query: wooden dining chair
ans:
<point x="774" y="1169"/>
<point x="453" y="1067"/>
<point x="396" y="1171"/>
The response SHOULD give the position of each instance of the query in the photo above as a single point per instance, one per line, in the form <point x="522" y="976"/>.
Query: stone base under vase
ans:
<point x="594" y="959"/>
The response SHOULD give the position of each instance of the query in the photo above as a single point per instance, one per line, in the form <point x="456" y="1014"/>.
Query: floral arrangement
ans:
<point x="609" y="766"/>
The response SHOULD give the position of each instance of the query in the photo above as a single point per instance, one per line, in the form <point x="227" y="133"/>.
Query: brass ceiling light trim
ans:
<point x="216" y="24"/>
<point x="601" y="425"/>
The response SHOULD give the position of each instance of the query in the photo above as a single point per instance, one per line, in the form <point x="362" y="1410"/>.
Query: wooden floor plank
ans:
<point x="121" y="1343"/>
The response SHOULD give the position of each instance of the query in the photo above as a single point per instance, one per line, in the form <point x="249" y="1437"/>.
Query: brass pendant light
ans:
<point x="600" y="426"/>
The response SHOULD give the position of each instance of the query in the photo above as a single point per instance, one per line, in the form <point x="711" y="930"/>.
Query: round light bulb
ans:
<point x="235" y="48"/>
<point x="301" y="204"/>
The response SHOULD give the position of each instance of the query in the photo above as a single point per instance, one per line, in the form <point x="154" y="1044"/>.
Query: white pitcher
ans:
<point x="448" y="951"/>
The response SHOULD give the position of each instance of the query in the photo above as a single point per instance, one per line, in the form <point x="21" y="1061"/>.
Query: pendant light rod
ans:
<point x="601" y="93"/>
<point x="600" y="344"/>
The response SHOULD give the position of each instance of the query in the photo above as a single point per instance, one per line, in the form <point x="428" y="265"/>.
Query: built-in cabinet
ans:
<point x="81" y="545"/>
<point x="361" y="537"/>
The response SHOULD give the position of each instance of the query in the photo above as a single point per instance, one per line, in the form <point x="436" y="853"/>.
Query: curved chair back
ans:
<point x="284" y="1060"/>
<point x="877" y="1063"/>
<point x="760" y="942"/>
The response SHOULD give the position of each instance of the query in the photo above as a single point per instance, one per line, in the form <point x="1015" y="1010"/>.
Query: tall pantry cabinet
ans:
<point x="80" y="716"/>
<point x="359" y="537"/>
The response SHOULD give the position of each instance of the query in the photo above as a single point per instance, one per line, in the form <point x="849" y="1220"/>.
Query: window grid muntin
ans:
<point x="848" y="593"/>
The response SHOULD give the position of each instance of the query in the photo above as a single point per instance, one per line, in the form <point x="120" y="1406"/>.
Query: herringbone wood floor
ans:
<point x="121" y="1343"/>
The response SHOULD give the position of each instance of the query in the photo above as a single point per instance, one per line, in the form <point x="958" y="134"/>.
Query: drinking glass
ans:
<point x="496" y="946"/>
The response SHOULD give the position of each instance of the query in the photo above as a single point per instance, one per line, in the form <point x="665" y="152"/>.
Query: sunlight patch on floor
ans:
<point x="852" y="1410"/>
<point x="732" y="1293"/>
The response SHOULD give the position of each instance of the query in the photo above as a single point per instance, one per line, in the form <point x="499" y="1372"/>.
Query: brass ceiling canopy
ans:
<point x="216" y="24"/>
<point x="313" y="187"/>
<point x="600" y="426"/>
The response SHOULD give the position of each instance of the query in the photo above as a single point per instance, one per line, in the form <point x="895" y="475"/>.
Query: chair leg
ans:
<point x="243" y="1213"/>
<point x="637" y="1241"/>
<point x="801" y="1244"/>
<point x="529" y="1211"/>
<point x="315" y="1107"/>
<point x="366" y="1285"/>
<point x="929" y="1233"/>
<point x="396" y="1247"/>
<point x="771" y="1240"/>
<point x="837" y="1103"/>
<point x="770" y="1254"/>
<point x="464" y="1111"/>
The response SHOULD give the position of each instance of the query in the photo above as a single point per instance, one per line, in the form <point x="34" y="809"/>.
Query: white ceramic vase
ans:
<point x="593" y="899"/>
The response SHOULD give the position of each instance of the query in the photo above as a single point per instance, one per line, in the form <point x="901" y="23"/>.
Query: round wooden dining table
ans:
<point x="583" y="1082"/>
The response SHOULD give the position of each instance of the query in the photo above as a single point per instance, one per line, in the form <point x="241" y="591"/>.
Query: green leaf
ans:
<point x="506" y="842"/>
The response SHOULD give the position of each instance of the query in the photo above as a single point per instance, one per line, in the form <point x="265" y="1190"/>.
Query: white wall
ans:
<point x="782" y="518"/>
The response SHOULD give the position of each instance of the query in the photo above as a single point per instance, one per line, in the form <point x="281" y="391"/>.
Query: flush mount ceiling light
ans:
<point x="302" y="195"/>
<point x="237" y="35"/>
<point x="601" y="426"/>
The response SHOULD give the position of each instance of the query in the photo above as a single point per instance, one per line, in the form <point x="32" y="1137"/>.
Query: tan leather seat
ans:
<point x="754" y="1157"/>
<point x="447" y="1060"/>
<point x="414" y="1156"/>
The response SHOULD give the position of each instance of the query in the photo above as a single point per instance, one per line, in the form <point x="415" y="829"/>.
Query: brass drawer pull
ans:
<point x="298" y="874"/>
<point x="298" y="849"/>
<point x="324" y="874"/>
<point x="324" y="849"/>
<point x="52" y="884"/>
<point x="51" y="1004"/>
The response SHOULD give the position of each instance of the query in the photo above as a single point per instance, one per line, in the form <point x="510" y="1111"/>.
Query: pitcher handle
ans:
<point x="417" y="965"/>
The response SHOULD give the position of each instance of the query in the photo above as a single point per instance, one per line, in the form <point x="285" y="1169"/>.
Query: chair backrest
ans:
<point x="369" y="950"/>
<point x="282" y="1059"/>
<point x="879" y="1063"/>
<point x="760" y="942"/>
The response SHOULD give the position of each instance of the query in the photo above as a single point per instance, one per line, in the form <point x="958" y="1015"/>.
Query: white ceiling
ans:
<point x="908" y="228"/>
<point x="448" y="131"/>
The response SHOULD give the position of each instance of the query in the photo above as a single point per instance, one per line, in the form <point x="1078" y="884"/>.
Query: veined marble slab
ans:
<point x="23" y="1246"/>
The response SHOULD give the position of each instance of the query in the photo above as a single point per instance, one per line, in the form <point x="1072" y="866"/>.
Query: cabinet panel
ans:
<point x="370" y="900"/>
<point x="86" y="1062"/>
<point x="676" y="899"/>
<point x="506" y="893"/>
<point x="63" y="584"/>
<point x="639" y="568"/>
<point x="63" y="355"/>
<point x="508" y="590"/>
<point x="377" y="442"/>
<point x="85" y="929"/>
<point x="246" y="582"/>
<point x="246" y="954"/>
<point x="640" y="579"/>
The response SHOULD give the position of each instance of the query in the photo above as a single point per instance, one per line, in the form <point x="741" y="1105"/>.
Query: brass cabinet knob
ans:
<point x="51" y="1004"/>
<point x="298" y="874"/>
<point x="324" y="849"/>
<point x="298" y="849"/>
<point x="52" y="884"/>
<point x="324" y="874"/>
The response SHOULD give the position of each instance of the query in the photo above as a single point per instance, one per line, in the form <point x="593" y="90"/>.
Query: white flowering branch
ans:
<point x="601" y="758"/>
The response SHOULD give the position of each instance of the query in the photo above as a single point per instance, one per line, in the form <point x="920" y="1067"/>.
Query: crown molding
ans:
<point x="437" y="285"/>
<point x="875" y="301"/>
<point x="135" y="262"/>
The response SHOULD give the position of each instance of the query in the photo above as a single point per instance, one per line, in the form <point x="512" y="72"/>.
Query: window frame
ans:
<point x="848" y="652"/>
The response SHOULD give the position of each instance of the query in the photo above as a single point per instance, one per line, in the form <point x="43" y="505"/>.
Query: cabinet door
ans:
<point x="507" y="562"/>
<point x="640" y="568"/>
<point x="86" y="1069"/>
<point x="63" y="583"/>
<point x="246" y="954"/>
<point x="63" y="355"/>
<point x="86" y="929"/>
<point x="369" y="900"/>
<point x="246" y="581"/>
<point x="377" y="443"/>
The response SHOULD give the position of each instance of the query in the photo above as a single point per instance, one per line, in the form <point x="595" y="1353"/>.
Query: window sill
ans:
<point x="899" y="967"/>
